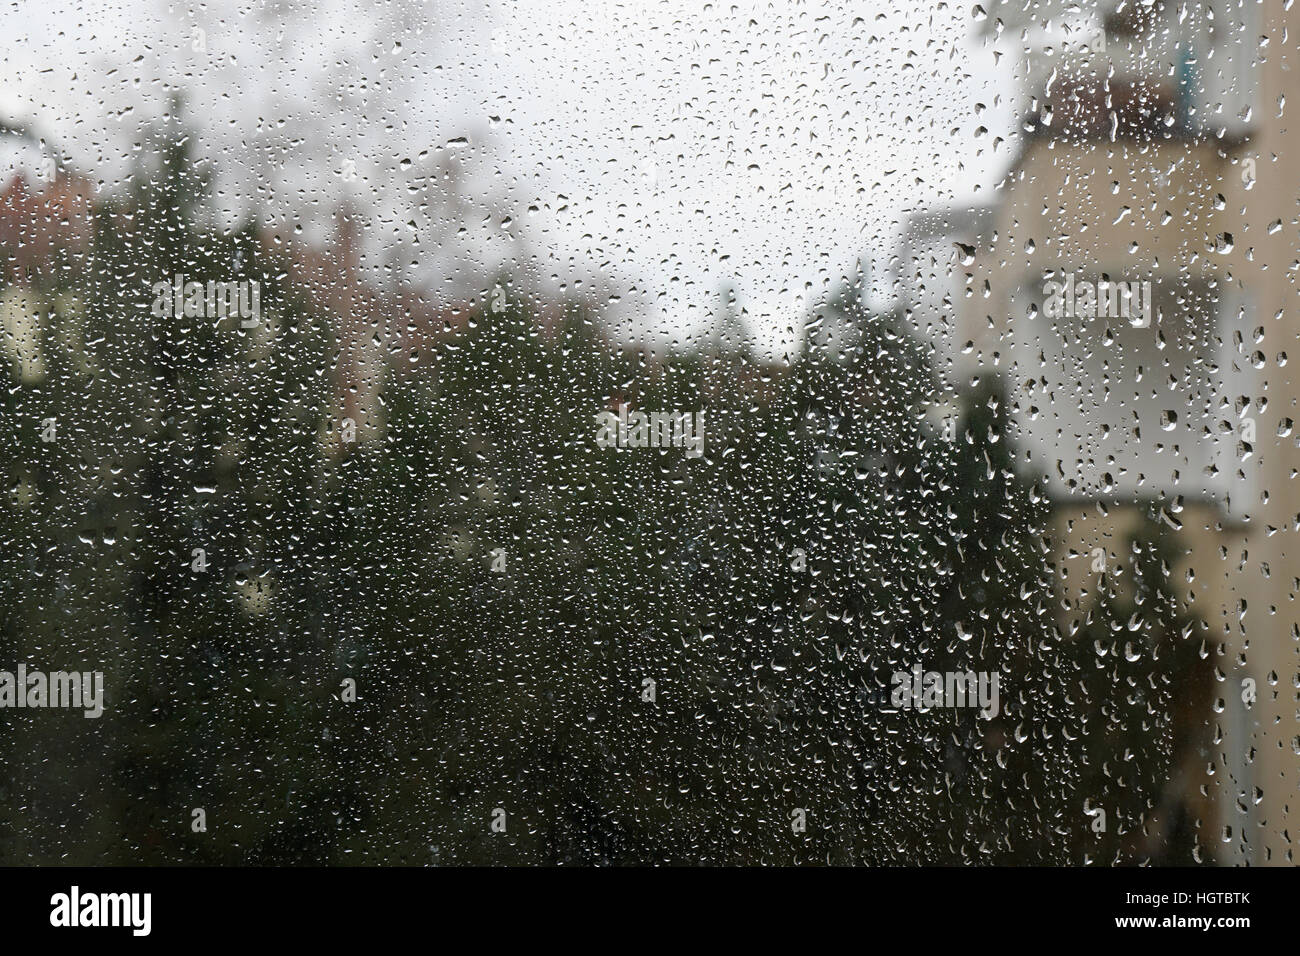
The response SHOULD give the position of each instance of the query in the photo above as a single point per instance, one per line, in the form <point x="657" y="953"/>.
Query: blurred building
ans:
<point x="44" y="225"/>
<point x="1153" y="149"/>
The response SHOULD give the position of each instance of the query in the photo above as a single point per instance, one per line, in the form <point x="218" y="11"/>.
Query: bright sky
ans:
<point x="648" y="152"/>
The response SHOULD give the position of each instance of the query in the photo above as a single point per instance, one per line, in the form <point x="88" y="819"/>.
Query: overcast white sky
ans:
<point x="664" y="149"/>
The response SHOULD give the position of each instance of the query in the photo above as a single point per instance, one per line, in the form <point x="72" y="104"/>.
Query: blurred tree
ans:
<point x="615" y="656"/>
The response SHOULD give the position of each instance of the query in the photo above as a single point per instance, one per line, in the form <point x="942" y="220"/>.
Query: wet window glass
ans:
<point x="649" y="432"/>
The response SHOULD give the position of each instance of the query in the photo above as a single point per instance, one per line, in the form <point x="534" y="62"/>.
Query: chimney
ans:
<point x="347" y="231"/>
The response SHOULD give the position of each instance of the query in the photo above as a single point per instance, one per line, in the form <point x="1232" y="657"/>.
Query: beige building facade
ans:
<point x="1133" y="282"/>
